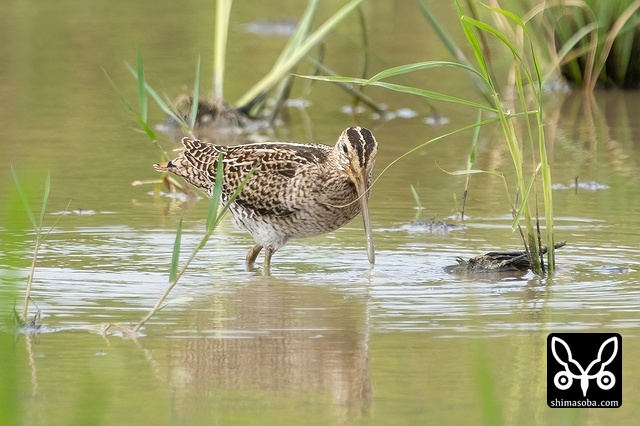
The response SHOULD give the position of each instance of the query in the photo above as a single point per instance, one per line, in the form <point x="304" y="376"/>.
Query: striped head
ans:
<point x="356" y="151"/>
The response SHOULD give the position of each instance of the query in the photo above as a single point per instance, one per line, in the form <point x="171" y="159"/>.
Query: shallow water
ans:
<point x="324" y="340"/>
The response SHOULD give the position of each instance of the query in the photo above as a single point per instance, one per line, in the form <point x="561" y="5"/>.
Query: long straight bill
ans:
<point x="362" y="188"/>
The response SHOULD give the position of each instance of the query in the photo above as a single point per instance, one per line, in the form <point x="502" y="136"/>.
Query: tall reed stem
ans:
<point x="223" y="10"/>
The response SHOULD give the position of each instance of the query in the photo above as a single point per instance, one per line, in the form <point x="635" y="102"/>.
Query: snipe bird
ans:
<point x="297" y="190"/>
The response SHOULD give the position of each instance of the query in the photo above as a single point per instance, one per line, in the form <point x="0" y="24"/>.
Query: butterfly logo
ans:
<point x="564" y="379"/>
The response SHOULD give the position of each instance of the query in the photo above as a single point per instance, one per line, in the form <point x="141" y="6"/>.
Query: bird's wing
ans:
<point x="277" y="168"/>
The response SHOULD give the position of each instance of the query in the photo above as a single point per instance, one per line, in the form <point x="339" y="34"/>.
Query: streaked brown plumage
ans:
<point x="297" y="190"/>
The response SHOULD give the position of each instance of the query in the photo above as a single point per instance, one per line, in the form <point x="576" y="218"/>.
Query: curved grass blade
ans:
<point x="358" y="94"/>
<point x="227" y="204"/>
<point x="416" y="197"/>
<point x="488" y="28"/>
<point x="45" y="197"/>
<point x="216" y="194"/>
<point x="145" y="127"/>
<point x="404" y="69"/>
<point x="520" y="23"/>
<point x="525" y="199"/>
<point x="470" y="161"/>
<point x="175" y="257"/>
<point x="472" y="39"/>
<point x="404" y="89"/>
<point x="433" y="140"/>
<point x="161" y="103"/>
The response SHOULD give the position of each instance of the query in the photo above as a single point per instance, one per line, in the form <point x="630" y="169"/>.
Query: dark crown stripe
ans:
<point x="364" y="143"/>
<point x="356" y="140"/>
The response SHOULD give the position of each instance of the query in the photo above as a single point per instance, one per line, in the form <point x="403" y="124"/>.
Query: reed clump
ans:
<point x="521" y="120"/>
<point x="591" y="43"/>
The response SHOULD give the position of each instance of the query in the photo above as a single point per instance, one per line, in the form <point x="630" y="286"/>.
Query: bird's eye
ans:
<point x="345" y="149"/>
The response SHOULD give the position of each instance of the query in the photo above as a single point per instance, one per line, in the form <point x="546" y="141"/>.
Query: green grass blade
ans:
<point x="66" y="209"/>
<point x="436" y="139"/>
<point x="225" y="209"/>
<point x="404" y="89"/>
<point x="45" y="198"/>
<point x="149" y="132"/>
<point x="214" y="202"/>
<point x="534" y="57"/>
<point x="349" y="88"/>
<point x="145" y="127"/>
<point x="123" y="98"/>
<point x="404" y="69"/>
<point x="525" y="199"/>
<point x="490" y="402"/>
<point x="236" y="193"/>
<point x="142" y="92"/>
<point x="488" y="28"/>
<point x="472" y="39"/>
<point x="510" y="15"/>
<point x="416" y="197"/>
<point x="276" y="73"/>
<point x="194" y="104"/>
<point x="175" y="258"/>
<point x="547" y="194"/>
<point x="161" y="103"/>
<point x="471" y="161"/>
<point x="474" y="141"/>
<point x="475" y="172"/>
<point x="23" y="197"/>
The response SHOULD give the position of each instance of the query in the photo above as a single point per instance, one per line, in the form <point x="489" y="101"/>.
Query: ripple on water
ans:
<point x="108" y="273"/>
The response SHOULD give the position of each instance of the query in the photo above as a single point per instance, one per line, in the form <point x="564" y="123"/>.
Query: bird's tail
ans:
<point x="167" y="166"/>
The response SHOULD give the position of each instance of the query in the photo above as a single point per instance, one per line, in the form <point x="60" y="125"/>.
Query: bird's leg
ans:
<point x="252" y="255"/>
<point x="266" y="266"/>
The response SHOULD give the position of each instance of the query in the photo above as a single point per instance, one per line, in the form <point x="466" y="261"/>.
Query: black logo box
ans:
<point x="584" y="370"/>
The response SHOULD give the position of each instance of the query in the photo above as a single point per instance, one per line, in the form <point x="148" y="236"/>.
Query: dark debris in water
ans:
<point x="495" y="261"/>
<point x="216" y="121"/>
